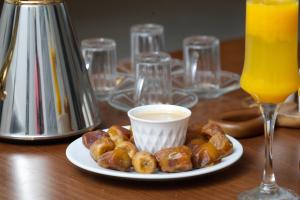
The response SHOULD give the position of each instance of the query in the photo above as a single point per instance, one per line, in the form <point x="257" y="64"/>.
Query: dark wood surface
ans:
<point x="42" y="171"/>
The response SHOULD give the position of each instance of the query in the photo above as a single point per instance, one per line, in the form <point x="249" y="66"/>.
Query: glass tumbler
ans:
<point x="202" y="64"/>
<point x="153" y="79"/>
<point x="146" y="38"/>
<point x="101" y="61"/>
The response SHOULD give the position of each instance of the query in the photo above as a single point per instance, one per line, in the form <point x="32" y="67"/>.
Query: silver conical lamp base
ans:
<point x="48" y="94"/>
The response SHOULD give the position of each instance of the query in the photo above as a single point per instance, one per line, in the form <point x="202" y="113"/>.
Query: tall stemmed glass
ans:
<point x="270" y="75"/>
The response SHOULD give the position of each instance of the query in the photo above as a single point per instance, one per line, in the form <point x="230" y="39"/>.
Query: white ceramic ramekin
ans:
<point x="152" y="135"/>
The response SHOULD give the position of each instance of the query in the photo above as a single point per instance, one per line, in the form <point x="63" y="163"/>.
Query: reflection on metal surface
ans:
<point x="48" y="94"/>
<point x="8" y="59"/>
<point x="19" y="2"/>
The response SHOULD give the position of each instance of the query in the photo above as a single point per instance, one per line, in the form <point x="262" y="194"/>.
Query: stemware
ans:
<point x="270" y="75"/>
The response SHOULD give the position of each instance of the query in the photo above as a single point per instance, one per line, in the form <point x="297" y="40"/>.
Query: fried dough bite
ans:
<point x="205" y="155"/>
<point x="89" y="138"/>
<point x="175" y="159"/>
<point x="222" y="144"/>
<point x="117" y="159"/>
<point x="197" y="143"/>
<point x="119" y="134"/>
<point x="128" y="147"/>
<point x="100" y="146"/>
<point x="194" y="131"/>
<point x="144" y="162"/>
<point x="211" y="129"/>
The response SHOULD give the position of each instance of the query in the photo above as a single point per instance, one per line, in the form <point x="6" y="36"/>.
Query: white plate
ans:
<point x="79" y="155"/>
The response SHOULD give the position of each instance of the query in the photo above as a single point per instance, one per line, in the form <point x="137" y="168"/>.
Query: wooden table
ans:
<point x="42" y="171"/>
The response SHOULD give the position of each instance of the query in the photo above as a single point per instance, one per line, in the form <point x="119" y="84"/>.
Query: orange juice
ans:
<point x="270" y="71"/>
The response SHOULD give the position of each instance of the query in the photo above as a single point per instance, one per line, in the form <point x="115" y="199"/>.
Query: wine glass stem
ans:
<point x="269" y="112"/>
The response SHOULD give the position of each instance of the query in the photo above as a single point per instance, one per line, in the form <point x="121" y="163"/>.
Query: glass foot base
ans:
<point x="256" y="194"/>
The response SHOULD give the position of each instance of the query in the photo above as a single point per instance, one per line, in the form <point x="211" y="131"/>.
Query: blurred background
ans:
<point x="113" y="18"/>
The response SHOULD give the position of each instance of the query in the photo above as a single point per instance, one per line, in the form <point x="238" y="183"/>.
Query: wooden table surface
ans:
<point x="42" y="171"/>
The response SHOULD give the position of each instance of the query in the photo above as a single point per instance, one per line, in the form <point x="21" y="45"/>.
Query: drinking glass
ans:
<point x="153" y="79"/>
<point x="202" y="64"/>
<point x="146" y="38"/>
<point x="101" y="61"/>
<point x="270" y="75"/>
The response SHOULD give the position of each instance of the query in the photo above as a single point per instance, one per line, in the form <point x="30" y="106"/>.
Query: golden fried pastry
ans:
<point x="116" y="159"/>
<point x="205" y="155"/>
<point x="128" y="147"/>
<point x="119" y="134"/>
<point x="197" y="143"/>
<point x="144" y="162"/>
<point x="175" y="159"/>
<point x="100" y="146"/>
<point x="90" y="137"/>
<point x="193" y="132"/>
<point x="211" y="129"/>
<point x="222" y="144"/>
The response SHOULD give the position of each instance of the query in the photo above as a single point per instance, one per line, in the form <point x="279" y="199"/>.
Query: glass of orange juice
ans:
<point x="270" y="75"/>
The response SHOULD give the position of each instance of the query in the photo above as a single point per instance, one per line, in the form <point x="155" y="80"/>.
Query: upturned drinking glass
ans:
<point x="146" y="38"/>
<point x="202" y="64"/>
<point x="153" y="79"/>
<point x="101" y="61"/>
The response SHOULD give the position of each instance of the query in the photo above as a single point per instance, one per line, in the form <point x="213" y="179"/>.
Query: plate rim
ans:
<point x="236" y="155"/>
